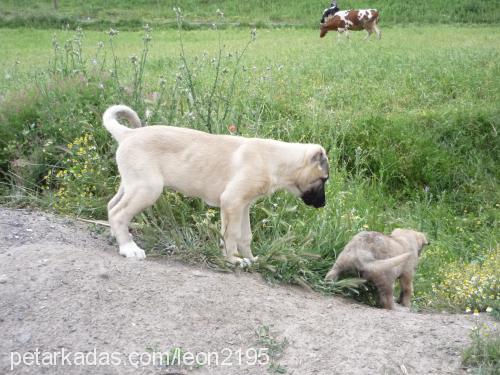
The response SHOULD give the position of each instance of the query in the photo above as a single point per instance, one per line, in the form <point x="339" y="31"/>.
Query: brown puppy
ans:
<point x="383" y="259"/>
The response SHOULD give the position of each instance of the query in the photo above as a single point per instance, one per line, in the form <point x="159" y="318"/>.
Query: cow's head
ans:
<point x="322" y="30"/>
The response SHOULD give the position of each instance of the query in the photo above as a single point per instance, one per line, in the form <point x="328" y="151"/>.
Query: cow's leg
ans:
<point x="369" y="32"/>
<point x="377" y="31"/>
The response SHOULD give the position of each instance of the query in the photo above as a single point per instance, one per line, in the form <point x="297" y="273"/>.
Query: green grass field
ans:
<point x="133" y="14"/>
<point x="410" y="123"/>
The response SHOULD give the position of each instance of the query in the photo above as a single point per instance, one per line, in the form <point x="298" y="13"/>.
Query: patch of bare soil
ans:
<point x="68" y="298"/>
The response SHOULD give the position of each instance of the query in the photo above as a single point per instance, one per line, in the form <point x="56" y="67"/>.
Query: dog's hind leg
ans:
<point x="406" y="285"/>
<point x="134" y="200"/>
<point x="333" y="274"/>
<point x="386" y="295"/>
<point x="116" y="198"/>
<point x="112" y="203"/>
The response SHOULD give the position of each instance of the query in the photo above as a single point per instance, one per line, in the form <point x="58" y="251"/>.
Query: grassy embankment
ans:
<point x="410" y="123"/>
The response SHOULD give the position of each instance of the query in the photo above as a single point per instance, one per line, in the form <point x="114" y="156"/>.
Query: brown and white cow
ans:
<point x="345" y="20"/>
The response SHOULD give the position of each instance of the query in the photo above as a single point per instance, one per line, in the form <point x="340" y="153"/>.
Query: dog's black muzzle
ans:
<point x="315" y="196"/>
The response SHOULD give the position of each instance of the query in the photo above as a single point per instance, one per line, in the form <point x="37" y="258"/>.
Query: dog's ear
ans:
<point x="425" y="239"/>
<point x="424" y="242"/>
<point x="319" y="157"/>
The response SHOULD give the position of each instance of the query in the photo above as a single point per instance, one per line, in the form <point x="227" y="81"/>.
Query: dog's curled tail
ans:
<point x="117" y="130"/>
<point x="383" y="265"/>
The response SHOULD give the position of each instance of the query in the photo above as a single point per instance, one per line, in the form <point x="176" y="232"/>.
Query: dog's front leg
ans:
<point x="246" y="235"/>
<point x="231" y="231"/>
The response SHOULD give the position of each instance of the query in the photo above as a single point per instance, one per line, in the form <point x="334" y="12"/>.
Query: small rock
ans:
<point x="103" y="273"/>
<point x="23" y="338"/>
<point x="3" y="279"/>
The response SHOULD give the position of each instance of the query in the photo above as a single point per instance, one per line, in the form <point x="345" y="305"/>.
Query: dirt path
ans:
<point x="64" y="289"/>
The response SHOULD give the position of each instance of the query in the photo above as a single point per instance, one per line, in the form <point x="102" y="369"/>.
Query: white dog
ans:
<point x="225" y="171"/>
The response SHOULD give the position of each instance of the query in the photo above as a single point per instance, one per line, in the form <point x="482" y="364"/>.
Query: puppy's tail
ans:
<point x="383" y="265"/>
<point x="117" y="130"/>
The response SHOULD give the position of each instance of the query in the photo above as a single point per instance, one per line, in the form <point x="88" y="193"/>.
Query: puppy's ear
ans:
<point x="320" y="158"/>
<point x="427" y="242"/>
<point x="424" y="242"/>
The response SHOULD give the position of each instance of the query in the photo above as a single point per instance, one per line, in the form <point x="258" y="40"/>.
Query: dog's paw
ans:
<point x="241" y="262"/>
<point x="233" y="260"/>
<point x="247" y="262"/>
<point x="401" y="308"/>
<point x="131" y="250"/>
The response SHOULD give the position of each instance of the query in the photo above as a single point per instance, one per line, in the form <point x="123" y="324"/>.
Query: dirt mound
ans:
<point x="64" y="289"/>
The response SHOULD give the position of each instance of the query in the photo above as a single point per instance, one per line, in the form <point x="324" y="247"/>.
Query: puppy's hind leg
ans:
<point x="334" y="273"/>
<point x="386" y="291"/>
<point x="406" y="284"/>
<point x="135" y="199"/>
<point x="116" y="198"/>
<point x="112" y="203"/>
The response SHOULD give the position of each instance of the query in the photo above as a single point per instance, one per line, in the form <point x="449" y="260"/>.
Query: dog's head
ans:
<point x="423" y="241"/>
<point x="417" y="239"/>
<point x="314" y="174"/>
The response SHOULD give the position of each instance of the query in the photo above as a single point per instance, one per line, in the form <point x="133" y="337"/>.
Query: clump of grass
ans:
<point x="210" y="105"/>
<point x="483" y="355"/>
<point x="183" y="228"/>
<point x="473" y="286"/>
<point x="43" y="120"/>
<point x="81" y="181"/>
<point x="274" y="348"/>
